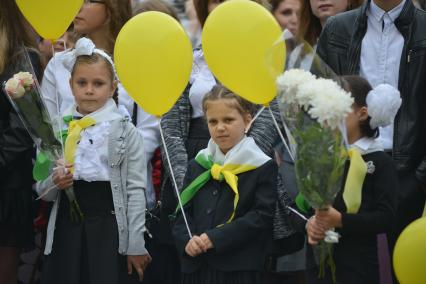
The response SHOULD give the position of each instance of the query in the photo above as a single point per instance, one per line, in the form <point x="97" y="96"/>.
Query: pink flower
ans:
<point x="14" y="88"/>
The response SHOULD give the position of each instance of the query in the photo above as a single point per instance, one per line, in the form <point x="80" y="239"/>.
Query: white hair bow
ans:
<point x="83" y="46"/>
<point x="383" y="103"/>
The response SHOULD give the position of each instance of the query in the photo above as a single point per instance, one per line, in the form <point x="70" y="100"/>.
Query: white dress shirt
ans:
<point x="202" y="81"/>
<point x="381" y="54"/>
<point x="91" y="156"/>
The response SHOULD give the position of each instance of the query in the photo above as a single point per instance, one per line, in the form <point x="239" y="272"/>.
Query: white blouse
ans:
<point x="91" y="157"/>
<point x="202" y="81"/>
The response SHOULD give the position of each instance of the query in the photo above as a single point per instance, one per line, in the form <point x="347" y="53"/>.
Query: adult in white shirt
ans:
<point x="100" y="21"/>
<point x="385" y="42"/>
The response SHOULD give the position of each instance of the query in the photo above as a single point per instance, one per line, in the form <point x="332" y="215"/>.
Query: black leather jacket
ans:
<point x="340" y="47"/>
<point x="16" y="146"/>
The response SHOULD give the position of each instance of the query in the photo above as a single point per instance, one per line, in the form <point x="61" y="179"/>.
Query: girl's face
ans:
<point x="91" y="18"/>
<point x="226" y="124"/>
<point x="287" y="15"/>
<point x="353" y="121"/>
<point x="323" y="9"/>
<point x="92" y="86"/>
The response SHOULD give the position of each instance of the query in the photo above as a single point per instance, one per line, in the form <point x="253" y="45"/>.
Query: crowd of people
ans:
<point x="236" y="180"/>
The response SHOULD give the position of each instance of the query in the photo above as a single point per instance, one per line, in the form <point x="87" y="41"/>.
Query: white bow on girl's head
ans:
<point x="383" y="103"/>
<point x="84" y="46"/>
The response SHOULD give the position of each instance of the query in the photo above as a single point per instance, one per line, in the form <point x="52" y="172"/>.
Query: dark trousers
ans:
<point x="411" y="201"/>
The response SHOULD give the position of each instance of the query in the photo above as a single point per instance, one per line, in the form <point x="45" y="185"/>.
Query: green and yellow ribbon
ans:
<point x="352" y="192"/>
<point x="74" y="130"/>
<point x="42" y="164"/>
<point x="227" y="172"/>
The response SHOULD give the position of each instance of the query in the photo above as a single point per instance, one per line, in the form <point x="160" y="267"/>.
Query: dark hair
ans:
<point x="202" y="8"/>
<point x="275" y="4"/>
<point x="155" y="5"/>
<point x="359" y="89"/>
<point x="118" y="13"/>
<point x="310" y="26"/>
<point x="15" y="33"/>
<point x="95" y="58"/>
<point x="220" y="92"/>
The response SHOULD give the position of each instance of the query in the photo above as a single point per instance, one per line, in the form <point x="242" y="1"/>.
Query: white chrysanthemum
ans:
<point x="26" y="78"/>
<point x="289" y="82"/>
<point x="331" y="104"/>
<point x="14" y="88"/>
<point x="306" y="92"/>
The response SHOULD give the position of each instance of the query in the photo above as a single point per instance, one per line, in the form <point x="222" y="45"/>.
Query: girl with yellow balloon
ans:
<point x="100" y="21"/>
<point x="185" y="130"/>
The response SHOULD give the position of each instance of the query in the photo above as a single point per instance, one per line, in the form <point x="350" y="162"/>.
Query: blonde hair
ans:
<point x="219" y="92"/>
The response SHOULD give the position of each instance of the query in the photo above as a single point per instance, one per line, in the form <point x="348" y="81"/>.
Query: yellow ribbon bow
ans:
<point x="352" y="193"/>
<point x="74" y="129"/>
<point x="230" y="172"/>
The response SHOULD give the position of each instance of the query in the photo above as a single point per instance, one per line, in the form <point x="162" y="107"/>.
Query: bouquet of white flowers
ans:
<point x="24" y="94"/>
<point x="314" y="110"/>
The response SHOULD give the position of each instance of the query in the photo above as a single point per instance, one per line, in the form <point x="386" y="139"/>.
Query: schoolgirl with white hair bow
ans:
<point x="105" y="166"/>
<point x="366" y="205"/>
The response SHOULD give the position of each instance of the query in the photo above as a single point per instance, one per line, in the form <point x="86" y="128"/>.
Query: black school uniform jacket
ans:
<point x="241" y="244"/>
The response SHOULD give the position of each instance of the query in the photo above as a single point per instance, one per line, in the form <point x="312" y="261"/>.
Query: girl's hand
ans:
<point x="139" y="262"/>
<point x="195" y="246"/>
<point x="206" y="241"/>
<point x="62" y="177"/>
<point x="329" y="218"/>
<point x="315" y="231"/>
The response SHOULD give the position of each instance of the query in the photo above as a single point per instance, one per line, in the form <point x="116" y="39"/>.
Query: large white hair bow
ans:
<point x="83" y="46"/>
<point x="383" y="103"/>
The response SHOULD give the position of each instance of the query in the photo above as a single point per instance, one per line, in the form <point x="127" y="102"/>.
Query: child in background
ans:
<point x="355" y="254"/>
<point x="107" y="170"/>
<point x="229" y="199"/>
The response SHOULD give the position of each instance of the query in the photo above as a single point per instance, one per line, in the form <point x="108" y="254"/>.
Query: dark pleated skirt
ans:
<point x="16" y="218"/>
<point x="208" y="275"/>
<point x="87" y="252"/>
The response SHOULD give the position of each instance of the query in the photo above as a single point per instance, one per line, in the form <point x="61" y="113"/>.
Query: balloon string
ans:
<point x="254" y="118"/>
<point x="174" y="180"/>
<point x="281" y="134"/>
<point x="297" y="213"/>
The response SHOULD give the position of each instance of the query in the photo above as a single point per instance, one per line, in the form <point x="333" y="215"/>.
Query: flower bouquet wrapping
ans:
<point x="313" y="111"/>
<point x="24" y="94"/>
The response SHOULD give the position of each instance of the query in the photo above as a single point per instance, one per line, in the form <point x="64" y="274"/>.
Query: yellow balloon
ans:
<point x="239" y="44"/>
<point x="153" y="58"/>
<point x="50" y="18"/>
<point x="409" y="257"/>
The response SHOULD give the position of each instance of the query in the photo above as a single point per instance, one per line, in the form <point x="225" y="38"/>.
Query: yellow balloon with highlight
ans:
<point x="153" y="58"/>
<point x="409" y="257"/>
<point x="240" y="46"/>
<point x="50" y="18"/>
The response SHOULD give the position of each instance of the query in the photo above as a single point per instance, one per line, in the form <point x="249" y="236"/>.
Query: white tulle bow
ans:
<point x="383" y="103"/>
<point x="83" y="46"/>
